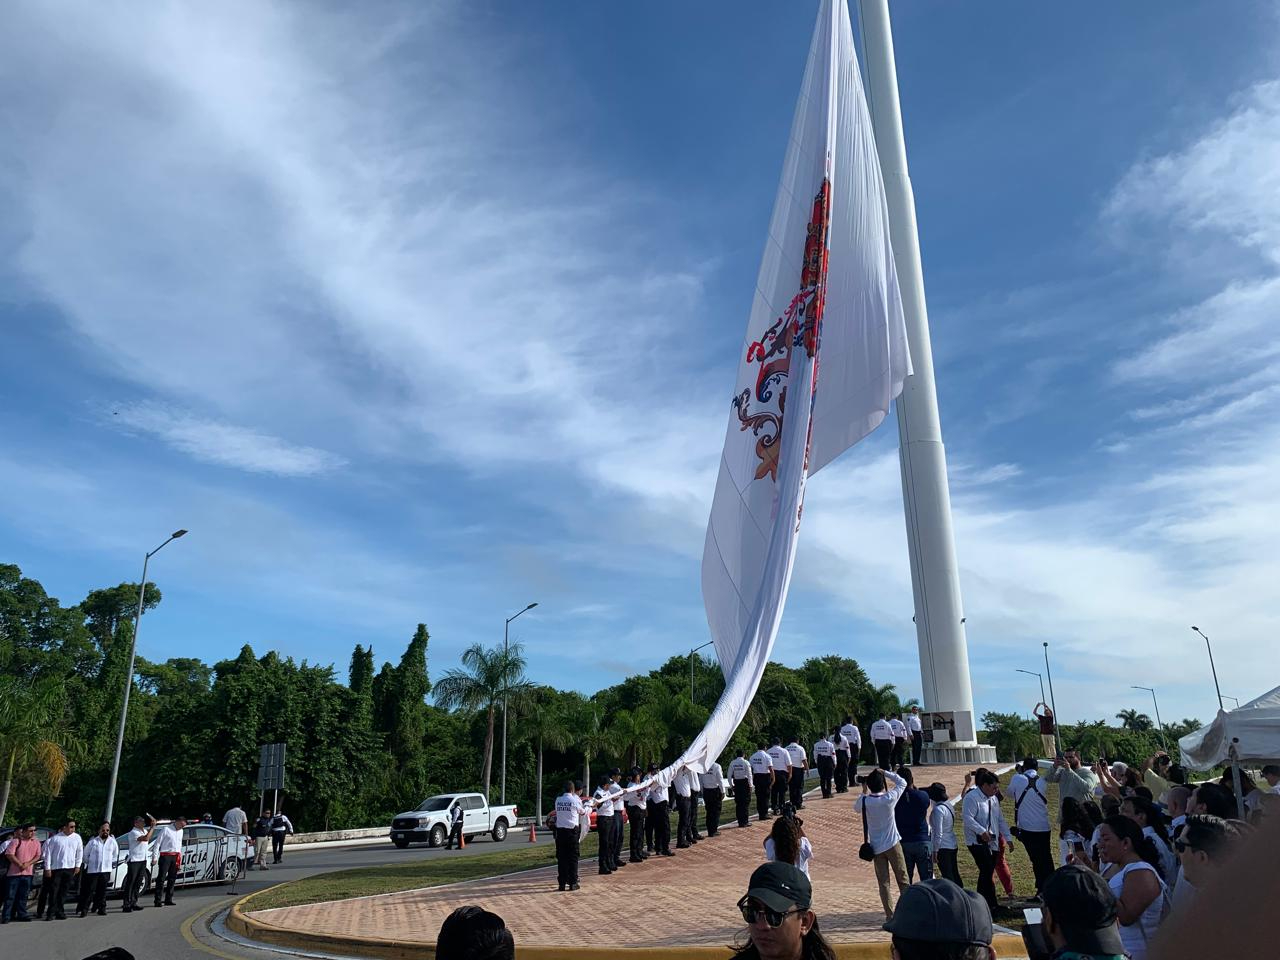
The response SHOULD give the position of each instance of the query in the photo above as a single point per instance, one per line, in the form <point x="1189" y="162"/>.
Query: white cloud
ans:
<point x="224" y="444"/>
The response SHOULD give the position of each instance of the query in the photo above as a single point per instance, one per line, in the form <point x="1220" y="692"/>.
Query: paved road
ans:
<point x="181" y="931"/>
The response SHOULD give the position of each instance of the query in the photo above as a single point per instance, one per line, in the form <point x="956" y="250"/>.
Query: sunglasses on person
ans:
<point x="772" y="917"/>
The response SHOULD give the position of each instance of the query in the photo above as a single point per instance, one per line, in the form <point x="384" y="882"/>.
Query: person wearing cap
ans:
<point x="740" y="775"/>
<point x="781" y="774"/>
<point x="780" y="923"/>
<point x="569" y="811"/>
<point x="915" y="730"/>
<point x="635" y="803"/>
<point x="762" y="774"/>
<point x="619" y="808"/>
<point x="876" y="806"/>
<point x="659" y="815"/>
<point x="938" y="920"/>
<point x="824" y="758"/>
<point x="713" y="795"/>
<point x="799" y="764"/>
<point x="604" y="824"/>
<point x="1078" y="916"/>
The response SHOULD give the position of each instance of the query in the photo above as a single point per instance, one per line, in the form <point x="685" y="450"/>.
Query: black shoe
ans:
<point x="82" y="913"/>
<point x="170" y="903"/>
<point x="48" y="918"/>
<point x="562" y="888"/>
<point x="667" y="853"/>
<point x="24" y="919"/>
<point x="138" y="906"/>
<point x="573" y="886"/>
<point x="102" y="912"/>
<point x="620" y="864"/>
<point x="4" y="920"/>
<point x="157" y="903"/>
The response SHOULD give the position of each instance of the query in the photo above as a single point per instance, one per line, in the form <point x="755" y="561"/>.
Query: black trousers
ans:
<point x="166" y="876"/>
<point x="797" y="787"/>
<point x="986" y="863"/>
<point x="650" y="823"/>
<point x="842" y="771"/>
<point x="948" y="868"/>
<point x="639" y="826"/>
<point x="826" y="770"/>
<point x="44" y="897"/>
<point x="762" y="795"/>
<point x="1037" y="844"/>
<point x="899" y="751"/>
<point x="661" y="817"/>
<point x="684" y="828"/>
<point x="742" y="800"/>
<point x="58" y="885"/>
<point x="455" y="837"/>
<point x="713" y="799"/>
<point x="93" y="892"/>
<point x="917" y="745"/>
<point x="133" y="880"/>
<point x="277" y="845"/>
<point x="566" y="856"/>
<point x="693" y="816"/>
<point x="884" y="753"/>
<point x="617" y="835"/>
<point x="778" y="796"/>
<point x="604" y="834"/>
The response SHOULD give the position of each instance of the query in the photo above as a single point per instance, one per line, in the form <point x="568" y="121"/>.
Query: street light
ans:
<point x="1034" y="674"/>
<point x="691" y="653"/>
<point x="128" y="677"/>
<point x="1163" y="742"/>
<point x="506" y="632"/>
<point x="1236" y="699"/>
<point x="1053" y="703"/>
<point x="1211" y="666"/>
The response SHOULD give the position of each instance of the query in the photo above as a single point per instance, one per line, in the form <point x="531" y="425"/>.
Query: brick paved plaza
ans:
<point x="685" y="900"/>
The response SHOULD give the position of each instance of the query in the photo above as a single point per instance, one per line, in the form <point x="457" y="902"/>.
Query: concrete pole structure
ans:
<point x="935" y="580"/>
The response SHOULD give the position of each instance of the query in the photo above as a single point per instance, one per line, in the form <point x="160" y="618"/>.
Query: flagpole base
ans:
<point x="959" y="753"/>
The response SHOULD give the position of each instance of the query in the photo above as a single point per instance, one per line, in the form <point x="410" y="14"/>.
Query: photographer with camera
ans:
<point x="882" y="844"/>
<point x="1031" y="818"/>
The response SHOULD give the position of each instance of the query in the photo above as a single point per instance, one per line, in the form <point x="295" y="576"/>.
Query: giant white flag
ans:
<point x="824" y="356"/>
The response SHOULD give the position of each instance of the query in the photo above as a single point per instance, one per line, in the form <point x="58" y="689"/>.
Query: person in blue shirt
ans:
<point x="912" y="816"/>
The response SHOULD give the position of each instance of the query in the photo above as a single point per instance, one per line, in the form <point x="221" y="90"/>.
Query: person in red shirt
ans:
<point x="1048" y="730"/>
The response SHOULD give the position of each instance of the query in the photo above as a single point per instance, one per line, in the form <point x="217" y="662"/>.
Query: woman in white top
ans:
<point x="786" y="842"/>
<point x="1148" y="816"/>
<point x="942" y="834"/>
<point x="1136" y="883"/>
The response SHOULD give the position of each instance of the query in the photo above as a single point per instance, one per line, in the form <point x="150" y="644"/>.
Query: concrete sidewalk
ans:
<point x="685" y="900"/>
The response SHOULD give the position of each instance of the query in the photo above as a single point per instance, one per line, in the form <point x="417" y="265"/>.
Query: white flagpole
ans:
<point x="939" y="615"/>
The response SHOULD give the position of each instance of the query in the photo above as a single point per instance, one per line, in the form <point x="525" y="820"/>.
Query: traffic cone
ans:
<point x="533" y="832"/>
<point x="462" y="840"/>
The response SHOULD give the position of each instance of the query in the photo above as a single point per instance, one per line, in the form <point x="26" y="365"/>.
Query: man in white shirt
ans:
<point x="100" y="855"/>
<point x="899" y="741"/>
<point x="740" y="777"/>
<point x="880" y="792"/>
<point x="62" y="855"/>
<point x="915" y="729"/>
<point x="658" y="813"/>
<point x="684" y="818"/>
<point x="169" y="847"/>
<point x="634" y="796"/>
<point x="882" y="741"/>
<point x="1031" y="818"/>
<point x="569" y="811"/>
<point x="843" y="744"/>
<point x="713" y="795"/>
<point x="824" y="756"/>
<point x="799" y="764"/>
<point x="615" y="794"/>
<point x="781" y="761"/>
<point x="762" y="773"/>
<point x="139" y="852"/>
<point x="853" y="745"/>
<point x="605" y="824"/>
<point x="984" y="825"/>
<point x="237" y="821"/>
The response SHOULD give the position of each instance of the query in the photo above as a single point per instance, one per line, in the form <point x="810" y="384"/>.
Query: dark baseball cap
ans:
<point x="938" y="911"/>
<point x="1084" y="908"/>
<point x="780" y="886"/>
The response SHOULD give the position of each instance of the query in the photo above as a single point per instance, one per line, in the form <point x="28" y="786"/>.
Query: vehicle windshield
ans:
<point x="433" y="804"/>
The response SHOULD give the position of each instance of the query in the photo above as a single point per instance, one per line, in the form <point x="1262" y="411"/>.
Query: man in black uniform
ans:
<point x="659" y="814"/>
<point x="569" y="811"/>
<point x="762" y="775"/>
<point x="842" y="759"/>
<point x="636" y="817"/>
<point x="740" y="776"/>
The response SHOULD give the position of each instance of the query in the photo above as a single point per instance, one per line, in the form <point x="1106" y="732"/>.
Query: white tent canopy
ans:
<point x="1254" y="729"/>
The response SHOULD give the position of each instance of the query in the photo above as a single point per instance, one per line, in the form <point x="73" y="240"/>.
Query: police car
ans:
<point x="210" y="854"/>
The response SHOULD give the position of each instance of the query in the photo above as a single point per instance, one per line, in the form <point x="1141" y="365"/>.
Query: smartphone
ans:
<point x="1077" y="846"/>
<point x="1034" y="940"/>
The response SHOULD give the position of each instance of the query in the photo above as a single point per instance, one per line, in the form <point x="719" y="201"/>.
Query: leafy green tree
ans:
<point x="1014" y="737"/>
<point x="486" y="676"/>
<point x="544" y="720"/>
<point x="1133" y="720"/>
<point x="32" y="718"/>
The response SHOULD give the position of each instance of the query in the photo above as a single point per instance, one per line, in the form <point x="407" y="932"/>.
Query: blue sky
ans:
<point x="421" y="312"/>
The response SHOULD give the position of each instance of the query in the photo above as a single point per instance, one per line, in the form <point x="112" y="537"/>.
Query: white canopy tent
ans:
<point x="1254" y="730"/>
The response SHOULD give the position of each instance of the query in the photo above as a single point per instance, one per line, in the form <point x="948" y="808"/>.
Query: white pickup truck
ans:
<point x="430" y="822"/>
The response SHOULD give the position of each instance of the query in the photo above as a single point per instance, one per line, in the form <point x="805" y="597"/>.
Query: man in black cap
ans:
<point x="937" y="920"/>
<point x="636" y="802"/>
<point x="1079" y="915"/>
<point x="780" y="925"/>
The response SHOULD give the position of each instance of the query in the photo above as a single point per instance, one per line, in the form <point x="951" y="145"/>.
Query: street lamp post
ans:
<point x="1211" y="665"/>
<point x="1034" y="674"/>
<point x="1053" y="703"/>
<point x="128" y="677"/>
<point x="506" y="633"/>
<point x="1236" y="699"/>
<point x="691" y="653"/>
<point x="1151" y="690"/>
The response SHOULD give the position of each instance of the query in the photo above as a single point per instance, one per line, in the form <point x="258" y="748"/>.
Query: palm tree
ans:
<point x="593" y="737"/>
<point x="639" y="733"/>
<point x="545" y="722"/>
<point x="1133" y="720"/>
<point x="883" y="702"/>
<point x="31" y="727"/>
<point x="487" y="677"/>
